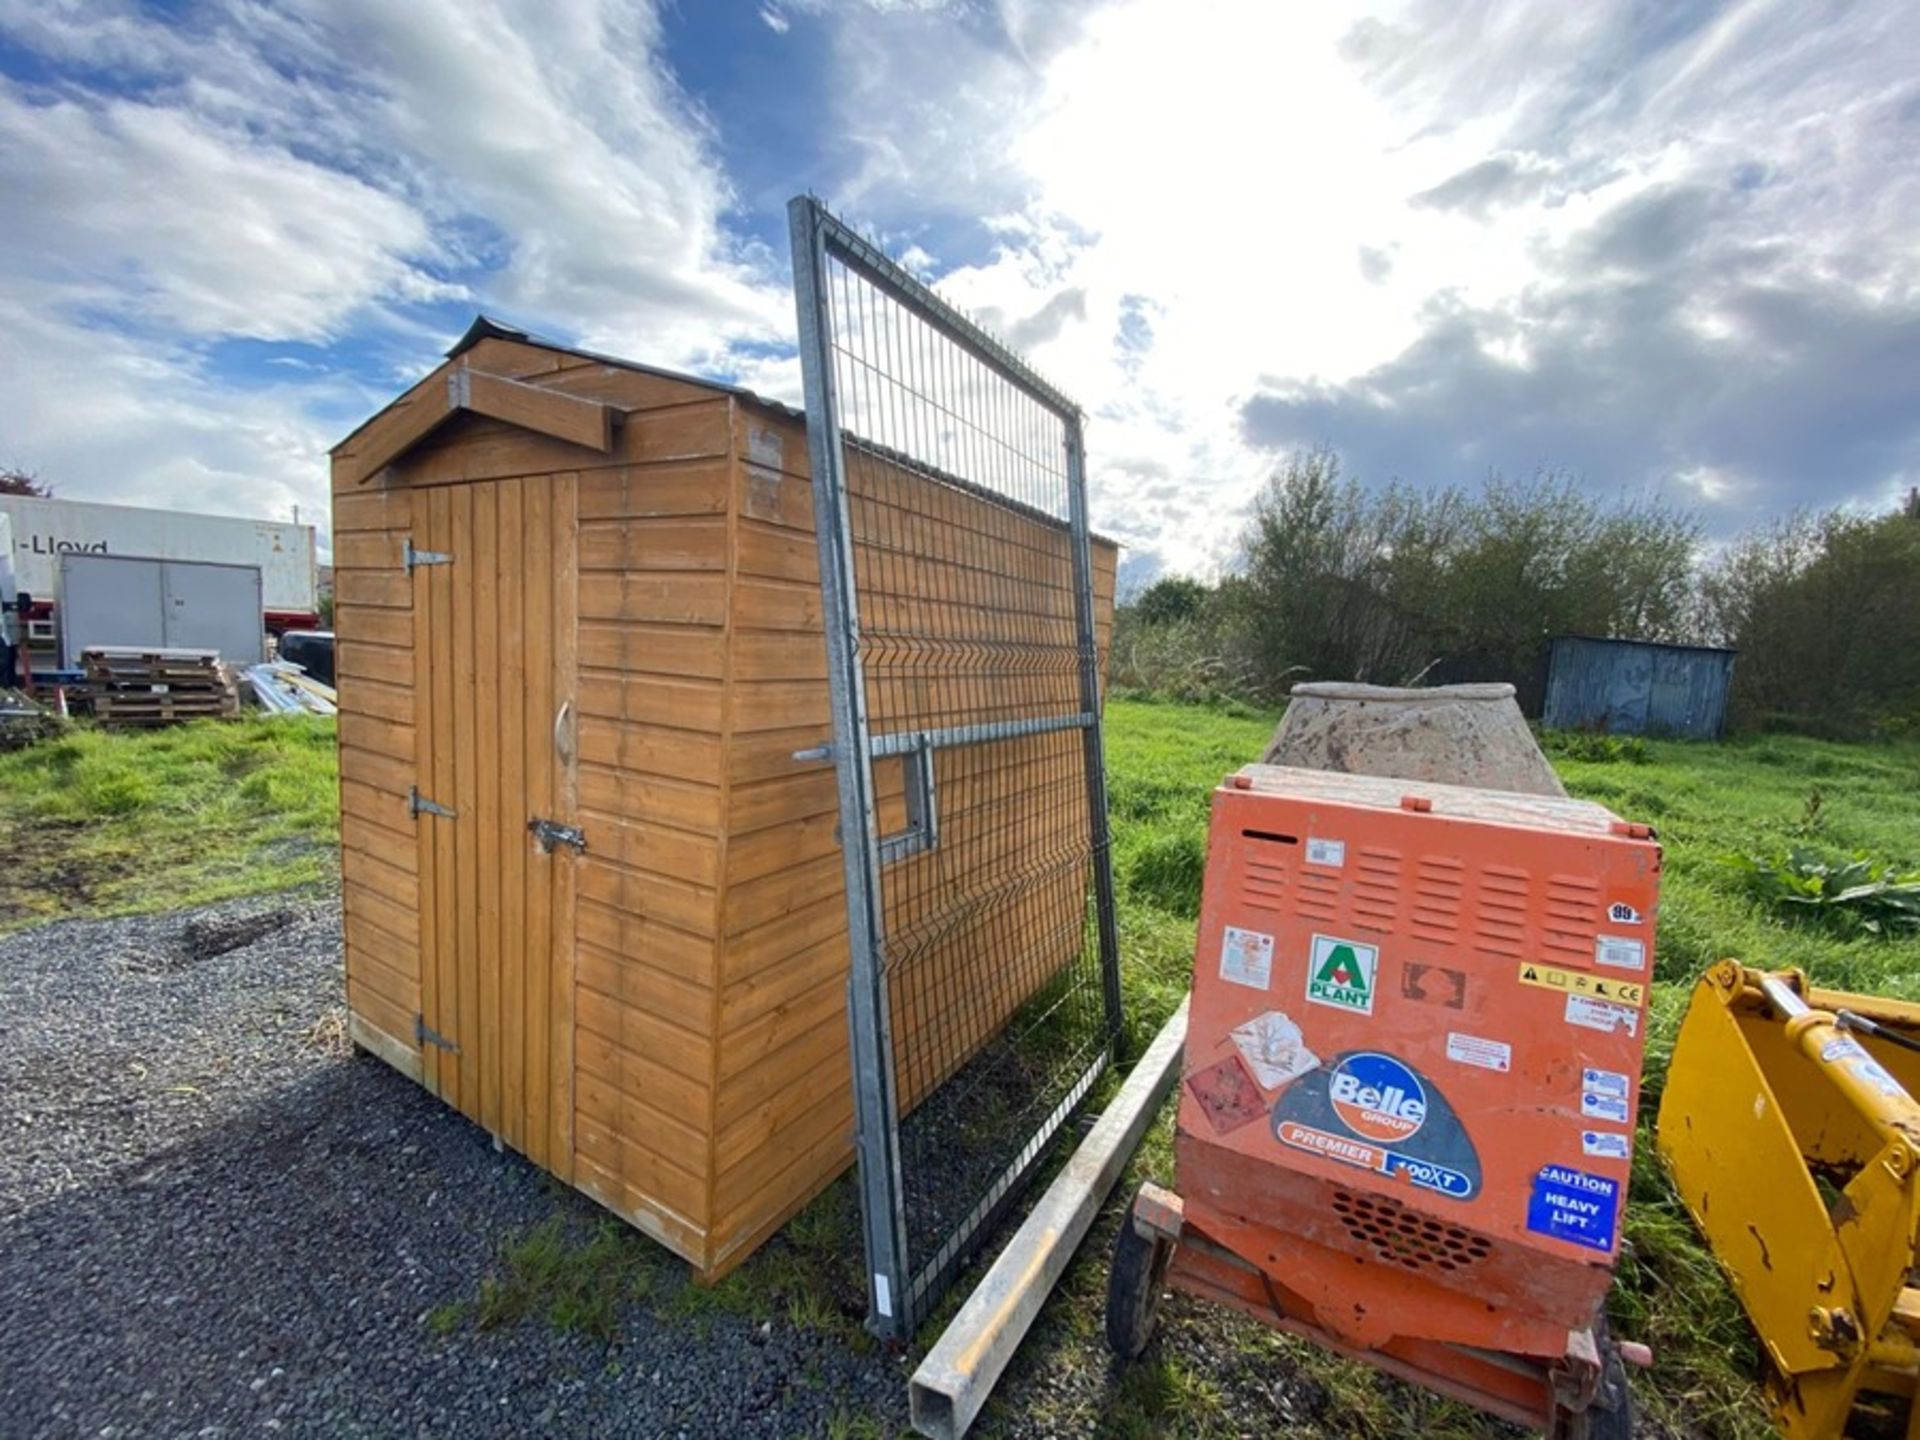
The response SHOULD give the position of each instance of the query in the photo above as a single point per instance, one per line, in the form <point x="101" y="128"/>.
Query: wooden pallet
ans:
<point x="156" y="687"/>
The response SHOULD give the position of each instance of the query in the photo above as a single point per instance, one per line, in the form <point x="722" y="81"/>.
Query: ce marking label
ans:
<point x="1578" y="982"/>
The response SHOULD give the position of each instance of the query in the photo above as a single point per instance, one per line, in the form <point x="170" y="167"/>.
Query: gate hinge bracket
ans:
<point x="550" y="833"/>
<point x="420" y="805"/>
<point x="411" y="557"/>
<point x="425" y="1034"/>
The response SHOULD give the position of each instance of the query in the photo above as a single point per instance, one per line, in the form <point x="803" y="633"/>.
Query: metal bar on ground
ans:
<point x="959" y="1373"/>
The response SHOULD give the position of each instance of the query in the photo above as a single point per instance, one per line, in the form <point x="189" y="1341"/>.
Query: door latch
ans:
<point x="550" y="833"/>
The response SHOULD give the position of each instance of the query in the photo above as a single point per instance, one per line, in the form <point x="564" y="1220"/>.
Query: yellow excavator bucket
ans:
<point x="1790" y="1127"/>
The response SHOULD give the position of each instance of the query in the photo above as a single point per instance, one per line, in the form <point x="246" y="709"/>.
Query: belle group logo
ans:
<point x="1377" y="1097"/>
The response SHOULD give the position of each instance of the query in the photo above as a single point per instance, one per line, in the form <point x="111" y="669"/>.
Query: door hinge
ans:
<point x="425" y="1034"/>
<point x="411" y="557"/>
<point x="550" y="833"/>
<point x="420" y="805"/>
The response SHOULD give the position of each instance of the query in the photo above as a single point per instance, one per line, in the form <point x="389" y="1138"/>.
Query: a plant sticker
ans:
<point x="1341" y="973"/>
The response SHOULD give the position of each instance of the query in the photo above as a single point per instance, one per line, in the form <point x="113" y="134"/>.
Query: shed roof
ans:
<point x="578" y="428"/>
<point x="485" y="327"/>
<point x="1647" y="644"/>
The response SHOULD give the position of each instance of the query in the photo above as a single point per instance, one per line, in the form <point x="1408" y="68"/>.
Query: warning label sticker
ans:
<point x="1574" y="1205"/>
<point x="1341" y="973"/>
<point x="1606" y="1145"/>
<point x="1596" y="1105"/>
<point x="1326" y="852"/>
<point x="1246" y="958"/>
<point x="1578" y="982"/>
<point x="1604" y="1082"/>
<point x="1619" y="953"/>
<point x="1473" y="1050"/>
<point x="1602" y="1015"/>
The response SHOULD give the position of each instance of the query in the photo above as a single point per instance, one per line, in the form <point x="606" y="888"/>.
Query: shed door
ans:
<point x="494" y="607"/>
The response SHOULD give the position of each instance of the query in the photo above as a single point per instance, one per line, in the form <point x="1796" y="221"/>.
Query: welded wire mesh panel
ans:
<point x="960" y="608"/>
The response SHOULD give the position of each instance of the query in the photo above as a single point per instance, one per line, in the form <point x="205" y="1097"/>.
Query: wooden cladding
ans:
<point x="493" y="672"/>
<point x="627" y="639"/>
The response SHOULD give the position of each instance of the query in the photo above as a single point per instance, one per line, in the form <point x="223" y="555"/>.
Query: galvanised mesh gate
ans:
<point x="958" y="589"/>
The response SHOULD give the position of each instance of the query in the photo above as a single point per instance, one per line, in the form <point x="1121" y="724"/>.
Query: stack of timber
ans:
<point x="136" y="687"/>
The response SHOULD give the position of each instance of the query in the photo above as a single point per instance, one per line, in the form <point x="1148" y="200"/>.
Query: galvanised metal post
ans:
<point x="869" y="1014"/>
<point x="1096" y="768"/>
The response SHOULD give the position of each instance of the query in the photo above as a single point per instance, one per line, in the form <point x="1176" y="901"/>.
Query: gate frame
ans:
<point x="898" y="1295"/>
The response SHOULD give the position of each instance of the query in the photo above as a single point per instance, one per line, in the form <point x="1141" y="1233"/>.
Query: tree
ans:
<point x="1343" y="582"/>
<point x="1822" y="610"/>
<point x="1170" y="600"/>
<point x="15" y="481"/>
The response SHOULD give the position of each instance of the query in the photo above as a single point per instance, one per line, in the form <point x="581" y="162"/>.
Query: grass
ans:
<point x="106" y="822"/>
<point x="1708" y="803"/>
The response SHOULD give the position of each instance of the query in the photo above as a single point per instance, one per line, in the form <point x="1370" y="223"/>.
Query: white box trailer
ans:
<point x="130" y="602"/>
<point x="46" y="529"/>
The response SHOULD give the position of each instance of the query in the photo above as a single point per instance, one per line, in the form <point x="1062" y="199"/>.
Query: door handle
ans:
<point x="563" y="732"/>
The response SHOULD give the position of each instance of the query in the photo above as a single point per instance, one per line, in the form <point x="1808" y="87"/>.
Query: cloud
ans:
<point x="1667" y="245"/>
<point x="173" y="221"/>
<point x="138" y="423"/>
<point x="1490" y="185"/>
<point x="1376" y="264"/>
<point x="349" y="176"/>
<point x="1715" y="291"/>
<point x="1662" y="348"/>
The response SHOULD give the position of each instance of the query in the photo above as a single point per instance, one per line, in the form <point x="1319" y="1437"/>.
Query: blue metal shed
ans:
<point x="1636" y="687"/>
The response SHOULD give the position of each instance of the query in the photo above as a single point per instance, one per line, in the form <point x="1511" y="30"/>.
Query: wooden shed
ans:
<point x="591" y="898"/>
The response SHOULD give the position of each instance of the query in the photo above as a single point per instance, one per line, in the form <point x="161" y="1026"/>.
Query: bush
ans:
<point x="1858" y="894"/>
<point x="1595" y="749"/>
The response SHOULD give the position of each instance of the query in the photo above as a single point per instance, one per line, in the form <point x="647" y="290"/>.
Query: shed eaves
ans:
<point x="485" y="327"/>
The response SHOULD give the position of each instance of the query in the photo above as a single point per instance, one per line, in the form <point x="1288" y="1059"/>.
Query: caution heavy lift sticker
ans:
<point x="1578" y="982"/>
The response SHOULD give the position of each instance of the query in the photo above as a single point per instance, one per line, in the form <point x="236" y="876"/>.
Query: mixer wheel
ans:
<point x="1135" y="1286"/>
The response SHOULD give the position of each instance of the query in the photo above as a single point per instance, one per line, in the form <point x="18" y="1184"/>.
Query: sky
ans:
<point x="1665" y="247"/>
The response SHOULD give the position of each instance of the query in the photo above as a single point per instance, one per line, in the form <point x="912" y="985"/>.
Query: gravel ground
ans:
<point x="213" y="1223"/>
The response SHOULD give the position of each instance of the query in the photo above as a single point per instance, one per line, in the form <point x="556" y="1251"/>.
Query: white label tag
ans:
<point x="1605" y="1145"/>
<point x="882" y="1294"/>
<point x="1487" y="1054"/>
<point x="1620" y="953"/>
<point x="1326" y="852"/>
<point x="1246" y="958"/>
<point x="1602" y="1015"/>
<point x="1605" y="1082"/>
<point x="1596" y="1106"/>
<point x="1273" y="1049"/>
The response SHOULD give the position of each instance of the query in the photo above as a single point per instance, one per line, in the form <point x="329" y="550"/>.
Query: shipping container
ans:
<point x="45" y="529"/>
<point x="594" y="894"/>
<point x="1638" y="687"/>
